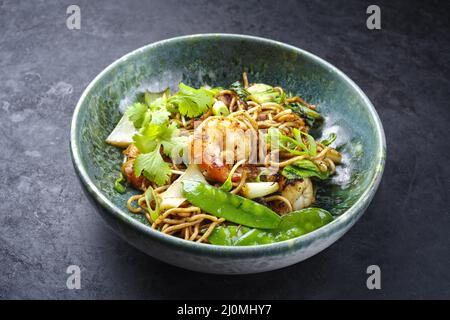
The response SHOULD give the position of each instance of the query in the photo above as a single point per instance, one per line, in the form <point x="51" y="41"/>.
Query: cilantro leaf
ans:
<point x="153" y="110"/>
<point x="159" y="103"/>
<point x="154" y="134"/>
<point x="192" y="102"/>
<point x="137" y="113"/>
<point x="146" y="140"/>
<point x="175" y="146"/>
<point x="153" y="167"/>
<point x="160" y="116"/>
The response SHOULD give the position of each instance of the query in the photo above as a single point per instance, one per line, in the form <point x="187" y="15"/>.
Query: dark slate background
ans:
<point x="47" y="224"/>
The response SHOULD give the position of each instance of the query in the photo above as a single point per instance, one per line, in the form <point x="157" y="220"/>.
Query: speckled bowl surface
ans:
<point x="218" y="60"/>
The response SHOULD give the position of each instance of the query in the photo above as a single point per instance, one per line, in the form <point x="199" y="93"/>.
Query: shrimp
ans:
<point x="300" y="193"/>
<point x="217" y="144"/>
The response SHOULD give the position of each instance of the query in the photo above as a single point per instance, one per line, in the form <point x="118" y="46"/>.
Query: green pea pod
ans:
<point x="227" y="236"/>
<point x="292" y="225"/>
<point x="226" y="205"/>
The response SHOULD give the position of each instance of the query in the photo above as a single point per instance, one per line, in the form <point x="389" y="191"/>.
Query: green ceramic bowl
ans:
<point x="220" y="59"/>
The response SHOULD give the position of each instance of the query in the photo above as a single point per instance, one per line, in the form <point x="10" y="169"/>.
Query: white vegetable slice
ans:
<point x="123" y="133"/>
<point x="173" y="196"/>
<point x="253" y="190"/>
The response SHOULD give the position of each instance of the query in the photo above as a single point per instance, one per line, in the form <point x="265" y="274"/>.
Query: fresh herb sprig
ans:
<point x="157" y="136"/>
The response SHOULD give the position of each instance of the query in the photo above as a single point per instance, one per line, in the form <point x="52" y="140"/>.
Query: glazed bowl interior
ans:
<point x="219" y="60"/>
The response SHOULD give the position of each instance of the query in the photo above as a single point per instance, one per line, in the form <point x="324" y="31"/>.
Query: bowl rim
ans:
<point x="352" y="213"/>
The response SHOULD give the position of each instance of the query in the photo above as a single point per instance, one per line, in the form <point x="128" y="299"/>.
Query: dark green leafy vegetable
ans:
<point x="262" y="93"/>
<point x="240" y="90"/>
<point x="303" y="169"/>
<point x="292" y="225"/>
<point x="312" y="117"/>
<point x="329" y="140"/>
<point x="232" y="207"/>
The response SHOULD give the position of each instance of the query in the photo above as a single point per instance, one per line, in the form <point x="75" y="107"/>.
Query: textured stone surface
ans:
<point x="47" y="224"/>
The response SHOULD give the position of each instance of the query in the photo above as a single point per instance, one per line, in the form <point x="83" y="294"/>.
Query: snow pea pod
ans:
<point x="232" y="207"/>
<point x="292" y="225"/>
<point x="228" y="235"/>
